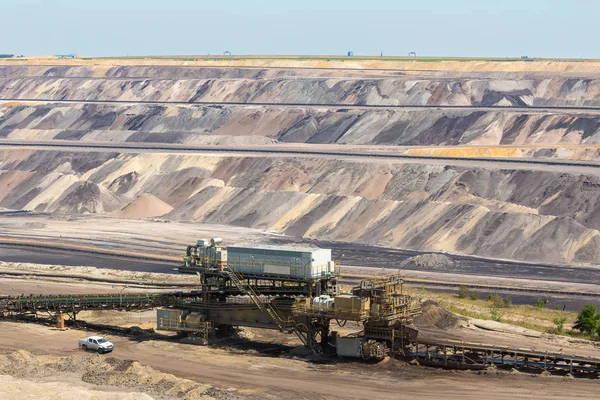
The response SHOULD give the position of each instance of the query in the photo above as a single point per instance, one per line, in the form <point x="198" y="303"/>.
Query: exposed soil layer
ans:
<point x="201" y="124"/>
<point x="534" y="215"/>
<point x="202" y="84"/>
<point x="145" y="205"/>
<point x="210" y="125"/>
<point x="511" y="214"/>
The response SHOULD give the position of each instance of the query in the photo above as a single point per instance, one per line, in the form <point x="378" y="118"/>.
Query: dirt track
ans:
<point x="283" y="378"/>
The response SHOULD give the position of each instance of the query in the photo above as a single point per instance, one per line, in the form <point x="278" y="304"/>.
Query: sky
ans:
<point x="462" y="28"/>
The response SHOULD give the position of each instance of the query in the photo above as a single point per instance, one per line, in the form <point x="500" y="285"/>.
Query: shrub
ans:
<point x="499" y="301"/>
<point x="560" y="323"/>
<point x="474" y="295"/>
<point x="495" y="314"/>
<point x="539" y="303"/>
<point x="463" y="292"/>
<point x="496" y="300"/>
<point x="588" y="319"/>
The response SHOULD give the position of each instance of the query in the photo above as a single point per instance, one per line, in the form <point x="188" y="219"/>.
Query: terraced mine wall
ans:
<point x="488" y="210"/>
<point x="219" y="124"/>
<point x="251" y="86"/>
<point x="478" y="109"/>
<point x="526" y="215"/>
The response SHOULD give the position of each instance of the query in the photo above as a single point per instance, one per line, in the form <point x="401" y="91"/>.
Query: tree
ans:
<point x="588" y="319"/>
<point x="463" y="292"/>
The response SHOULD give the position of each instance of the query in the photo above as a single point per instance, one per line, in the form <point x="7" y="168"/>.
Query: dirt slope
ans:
<point x="527" y="215"/>
<point x="261" y="125"/>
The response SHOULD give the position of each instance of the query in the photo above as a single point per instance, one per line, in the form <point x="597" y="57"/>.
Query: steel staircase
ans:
<point x="285" y="325"/>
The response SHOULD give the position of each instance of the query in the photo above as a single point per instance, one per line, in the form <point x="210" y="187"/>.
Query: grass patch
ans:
<point x="542" y="320"/>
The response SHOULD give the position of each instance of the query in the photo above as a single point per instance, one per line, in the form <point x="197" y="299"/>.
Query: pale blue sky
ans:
<point x="503" y="28"/>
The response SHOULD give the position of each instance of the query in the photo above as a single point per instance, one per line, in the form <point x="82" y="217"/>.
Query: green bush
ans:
<point x="560" y="323"/>
<point x="463" y="292"/>
<point x="474" y="295"/>
<point x="495" y="314"/>
<point x="499" y="301"/>
<point x="588" y="319"/>
<point x="539" y="303"/>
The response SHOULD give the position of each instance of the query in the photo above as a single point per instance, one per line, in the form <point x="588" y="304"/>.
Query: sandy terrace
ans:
<point x="323" y="62"/>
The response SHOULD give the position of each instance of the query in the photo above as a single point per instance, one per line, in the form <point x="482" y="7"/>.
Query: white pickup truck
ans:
<point x="96" y="343"/>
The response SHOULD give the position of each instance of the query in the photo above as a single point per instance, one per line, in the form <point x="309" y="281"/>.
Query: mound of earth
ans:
<point x="23" y="389"/>
<point x="429" y="261"/>
<point x="145" y="205"/>
<point x="433" y="315"/>
<point x="93" y="371"/>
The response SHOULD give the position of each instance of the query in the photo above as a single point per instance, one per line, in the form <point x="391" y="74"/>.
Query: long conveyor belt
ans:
<point x="74" y="303"/>
<point x="457" y="354"/>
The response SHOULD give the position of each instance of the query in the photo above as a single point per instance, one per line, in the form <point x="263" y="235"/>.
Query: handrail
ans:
<point x="288" y="325"/>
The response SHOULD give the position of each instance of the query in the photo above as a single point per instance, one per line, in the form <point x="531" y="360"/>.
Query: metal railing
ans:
<point x="285" y="325"/>
<point x="302" y="309"/>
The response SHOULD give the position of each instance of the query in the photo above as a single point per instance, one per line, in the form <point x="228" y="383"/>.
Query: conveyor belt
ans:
<point x="70" y="303"/>
<point x="453" y="354"/>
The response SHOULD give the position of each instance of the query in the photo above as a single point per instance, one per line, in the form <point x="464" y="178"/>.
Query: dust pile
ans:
<point x="89" y="374"/>
<point x="12" y="388"/>
<point x="434" y="315"/>
<point x="145" y="205"/>
<point x="430" y="261"/>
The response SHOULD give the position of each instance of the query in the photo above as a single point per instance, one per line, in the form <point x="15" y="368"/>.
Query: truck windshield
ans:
<point x="101" y="340"/>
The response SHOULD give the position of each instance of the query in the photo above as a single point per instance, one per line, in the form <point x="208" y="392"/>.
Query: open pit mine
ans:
<point x="336" y="197"/>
